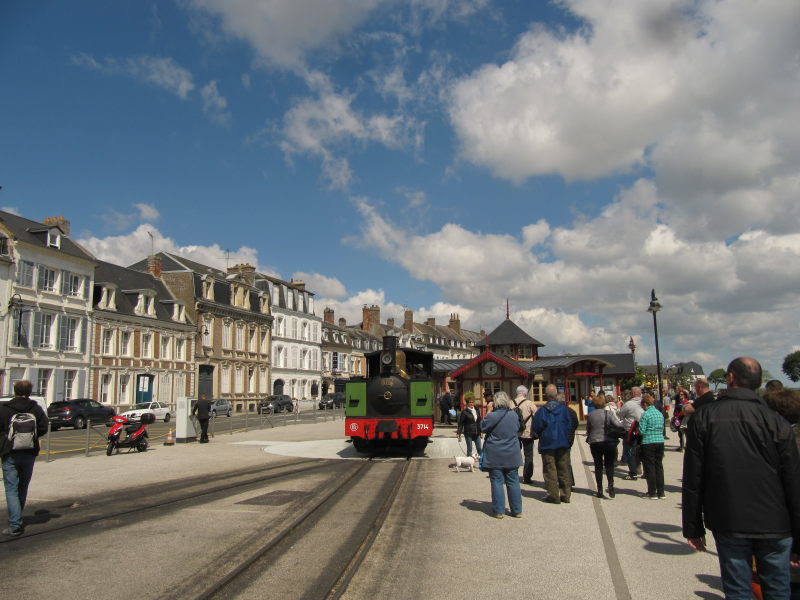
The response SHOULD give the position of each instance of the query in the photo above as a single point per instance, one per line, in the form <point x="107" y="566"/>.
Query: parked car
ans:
<point x="76" y="413"/>
<point x="276" y="404"/>
<point x="220" y="407"/>
<point x="39" y="400"/>
<point x="159" y="409"/>
<point x="334" y="400"/>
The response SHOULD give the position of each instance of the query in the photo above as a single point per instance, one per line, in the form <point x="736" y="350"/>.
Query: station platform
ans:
<point x="627" y="547"/>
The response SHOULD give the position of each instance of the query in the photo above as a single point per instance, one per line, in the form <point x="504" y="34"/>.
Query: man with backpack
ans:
<point x="525" y="409"/>
<point x="22" y="423"/>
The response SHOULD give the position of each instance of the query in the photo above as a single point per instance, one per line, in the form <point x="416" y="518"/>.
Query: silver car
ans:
<point x="220" y="407"/>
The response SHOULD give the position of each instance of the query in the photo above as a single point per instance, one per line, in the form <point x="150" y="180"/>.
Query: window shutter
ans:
<point x="59" y="395"/>
<point x="84" y="330"/>
<point x="37" y="329"/>
<point x="64" y="283"/>
<point x="78" y="389"/>
<point x="87" y="284"/>
<point x="41" y="278"/>
<point x="61" y="342"/>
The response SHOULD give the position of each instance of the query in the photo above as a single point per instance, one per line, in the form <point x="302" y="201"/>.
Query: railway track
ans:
<point x="134" y="505"/>
<point x="337" y="531"/>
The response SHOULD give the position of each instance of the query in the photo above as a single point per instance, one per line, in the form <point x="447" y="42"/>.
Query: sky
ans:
<point x="564" y="157"/>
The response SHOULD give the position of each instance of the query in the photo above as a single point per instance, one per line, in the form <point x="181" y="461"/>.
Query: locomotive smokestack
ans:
<point x="388" y="355"/>
<point x="389" y="342"/>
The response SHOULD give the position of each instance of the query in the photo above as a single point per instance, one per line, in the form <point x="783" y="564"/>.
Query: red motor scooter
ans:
<point x="136" y="434"/>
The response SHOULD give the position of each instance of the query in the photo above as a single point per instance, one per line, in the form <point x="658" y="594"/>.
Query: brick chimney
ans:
<point x="408" y="320"/>
<point x="328" y="315"/>
<point x="342" y="322"/>
<point x="299" y="284"/>
<point x="248" y="272"/>
<point x="371" y="317"/>
<point x="390" y="322"/>
<point x="59" y="222"/>
<point x="154" y="265"/>
<point x="430" y="321"/>
<point x="455" y="323"/>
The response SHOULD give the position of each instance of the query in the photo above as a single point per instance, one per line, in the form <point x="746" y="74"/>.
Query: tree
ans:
<point x="791" y="366"/>
<point x="717" y="377"/>
<point x="636" y="381"/>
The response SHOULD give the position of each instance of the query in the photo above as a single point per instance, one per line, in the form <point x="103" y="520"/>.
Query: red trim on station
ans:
<point x="406" y="428"/>
<point x="483" y="357"/>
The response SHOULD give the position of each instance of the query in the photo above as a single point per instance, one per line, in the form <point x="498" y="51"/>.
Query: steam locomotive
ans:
<point x="394" y="402"/>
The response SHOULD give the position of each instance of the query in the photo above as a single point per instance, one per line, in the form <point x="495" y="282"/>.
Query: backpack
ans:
<point x="22" y="431"/>
<point x="522" y="423"/>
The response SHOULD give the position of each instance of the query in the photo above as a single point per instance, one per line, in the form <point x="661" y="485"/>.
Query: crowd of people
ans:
<point x="741" y="464"/>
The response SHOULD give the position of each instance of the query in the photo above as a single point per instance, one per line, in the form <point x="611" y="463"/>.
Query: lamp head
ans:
<point x="654" y="304"/>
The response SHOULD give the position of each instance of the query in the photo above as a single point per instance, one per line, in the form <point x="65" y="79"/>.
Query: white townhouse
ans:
<point x="296" y="338"/>
<point x="47" y="287"/>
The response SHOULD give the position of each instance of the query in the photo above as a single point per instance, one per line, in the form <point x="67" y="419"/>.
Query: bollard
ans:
<point x="230" y="425"/>
<point x="47" y="452"/>
<point x="213" y="427"/>
<point x="88" y="429"/>
<point x="246" y="410"/>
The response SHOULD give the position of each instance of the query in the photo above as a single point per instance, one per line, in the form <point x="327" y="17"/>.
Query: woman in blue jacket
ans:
<point x="502" y="456"/>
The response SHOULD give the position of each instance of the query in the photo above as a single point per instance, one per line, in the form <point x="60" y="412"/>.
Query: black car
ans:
<point x="276" y="404"/>
<point x="334" y="400"/>
<point x="76" y="413"/>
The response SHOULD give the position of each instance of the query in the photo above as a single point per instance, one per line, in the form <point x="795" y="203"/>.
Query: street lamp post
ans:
<point x="15" y="304"/>
<point x="654" y="308"/>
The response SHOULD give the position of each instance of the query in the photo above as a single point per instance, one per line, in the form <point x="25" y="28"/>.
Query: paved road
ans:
<point x="68" y="442"/>
<point x="441" y="543"/>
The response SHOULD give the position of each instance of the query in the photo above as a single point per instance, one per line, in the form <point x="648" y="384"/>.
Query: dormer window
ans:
<point x="208" y="288"/>
<point x="3" y="246"/>
<point x="179" y="312"/>
<point x="108" y="300"/>
<point x="146" y="303"/>
<point x="54" y="238"/>
<point x="263" y="302"/>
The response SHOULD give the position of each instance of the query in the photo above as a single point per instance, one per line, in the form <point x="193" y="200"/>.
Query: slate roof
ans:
<point x="129" y="279"/>
<point x="35" y="234"/>
<point x="509" y="332"/>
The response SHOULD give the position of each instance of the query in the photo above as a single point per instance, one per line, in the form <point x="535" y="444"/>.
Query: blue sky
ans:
<point x="436" y="155"/>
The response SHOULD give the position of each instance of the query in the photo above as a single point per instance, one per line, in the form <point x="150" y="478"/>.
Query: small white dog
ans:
<point x="464" y="462"/>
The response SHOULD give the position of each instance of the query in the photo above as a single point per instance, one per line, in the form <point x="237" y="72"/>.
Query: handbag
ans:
<point x="613" y="431"/>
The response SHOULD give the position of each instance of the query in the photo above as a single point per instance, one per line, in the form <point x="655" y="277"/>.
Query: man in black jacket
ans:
<point x="202" y="409"/>
<point x="741" y="474"/>
<point x="18" y="464"/>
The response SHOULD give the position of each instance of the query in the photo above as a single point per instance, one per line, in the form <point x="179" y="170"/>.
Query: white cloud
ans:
<point x="147" y="212"/>
<point x="592" y="292"/>
<point x="321" y="285"/>
<point x="162" y="72"/>
<point x="320" y="126"/>
<point x="115" y="220"/>
<point x="282" y="32"/>
<point x="134" y="246"/>
<point x="11" y="209"/>
<point x="214" y="104"/>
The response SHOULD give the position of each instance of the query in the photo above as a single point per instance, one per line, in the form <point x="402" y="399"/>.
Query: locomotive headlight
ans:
<point x="387" y="395"/>
<point x="386" y="358"/>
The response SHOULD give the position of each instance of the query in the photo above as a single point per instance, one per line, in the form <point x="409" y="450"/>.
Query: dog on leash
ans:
<point x="464" y="462"/>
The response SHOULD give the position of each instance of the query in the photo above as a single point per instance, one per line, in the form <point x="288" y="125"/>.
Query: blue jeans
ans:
<point x="470" y="439"/>
<point x="509" y="477"/>
<point x="17" y="472"/>
<point x="772" y="562"/>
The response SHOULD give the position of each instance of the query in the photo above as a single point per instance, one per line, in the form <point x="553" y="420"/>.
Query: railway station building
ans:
<point x="510" y="357"/>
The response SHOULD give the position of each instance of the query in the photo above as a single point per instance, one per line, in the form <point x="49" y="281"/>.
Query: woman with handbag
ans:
<point x="603" y="432"/>
<point x="502" y="457"/>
